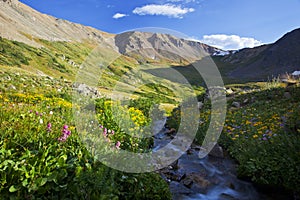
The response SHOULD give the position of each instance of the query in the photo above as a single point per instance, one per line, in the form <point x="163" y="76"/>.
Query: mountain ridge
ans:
<point x="16" y="16"/>
<point x="24" y="24"/>
<point x="269" y="60"/>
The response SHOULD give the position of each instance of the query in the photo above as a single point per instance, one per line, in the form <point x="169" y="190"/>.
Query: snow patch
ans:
<point x="296" y="73"/>
<point x="221" y="53"/>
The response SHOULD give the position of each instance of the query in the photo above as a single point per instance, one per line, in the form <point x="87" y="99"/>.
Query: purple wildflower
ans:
<point x="118" y="145"/>
<point x="104" y="134"/>
<point x="65" y="134"/>
<point x="49" y="125"/>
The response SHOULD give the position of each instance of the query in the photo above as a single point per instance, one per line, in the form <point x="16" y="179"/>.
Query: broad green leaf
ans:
<point x="13" y="189"/>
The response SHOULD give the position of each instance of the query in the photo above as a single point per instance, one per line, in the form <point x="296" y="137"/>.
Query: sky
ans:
<point x="227" y="24"/>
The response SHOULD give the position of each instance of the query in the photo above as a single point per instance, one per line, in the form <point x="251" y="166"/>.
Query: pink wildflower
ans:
<point x="49" y="125"/>
<point x="118" y="145"/>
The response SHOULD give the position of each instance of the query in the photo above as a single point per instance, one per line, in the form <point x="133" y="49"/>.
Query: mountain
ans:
<point x="157" y="46"/>
<point x="21" y="23"/>
<point x="265" y="61"/>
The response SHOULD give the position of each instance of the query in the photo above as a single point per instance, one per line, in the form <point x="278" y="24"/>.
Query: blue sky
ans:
<point x="228" y="24"/>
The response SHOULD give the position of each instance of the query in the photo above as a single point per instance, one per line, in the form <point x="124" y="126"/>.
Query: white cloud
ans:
<point x="169" y="10"/>
<point x="183" y="1"/>
<point x="230" y="42"/>
<point x="119" y="15"/>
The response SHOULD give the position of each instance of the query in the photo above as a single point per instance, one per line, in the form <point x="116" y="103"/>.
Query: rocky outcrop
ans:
<point x="157" y="46"/>
<point x="86" y="90"/>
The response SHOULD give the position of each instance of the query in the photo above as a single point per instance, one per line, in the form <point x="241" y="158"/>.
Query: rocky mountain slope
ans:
<point x="157" y="46"/>
<point x="281" y="57"/>
<point x="21" y="23"/>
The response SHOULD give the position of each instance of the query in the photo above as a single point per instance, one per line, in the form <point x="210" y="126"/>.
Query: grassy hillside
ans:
<point x="262" y="134"/>
<point x="43" y="156"/>
<point x="62" y="60"/>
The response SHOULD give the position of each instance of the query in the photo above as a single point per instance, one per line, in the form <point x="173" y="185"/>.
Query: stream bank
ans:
<point x="211" y="178"/>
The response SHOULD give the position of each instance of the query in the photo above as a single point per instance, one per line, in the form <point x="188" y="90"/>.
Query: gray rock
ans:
<point x="200" y="105"/>
<point x="195" y="179"/>
<point x="12" y="87"/>
<point x="287" y="95"/>
<point x="86" y="90"/>
<point x="217" y="151"/>
<point x="236" y="104"/>
<point x="246" y="101"/>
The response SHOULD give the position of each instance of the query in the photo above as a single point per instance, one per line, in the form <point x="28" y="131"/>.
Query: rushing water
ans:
<point x="210" y="178"/>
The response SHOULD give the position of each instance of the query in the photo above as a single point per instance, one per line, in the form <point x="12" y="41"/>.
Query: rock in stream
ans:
<point x="210" y="178"/>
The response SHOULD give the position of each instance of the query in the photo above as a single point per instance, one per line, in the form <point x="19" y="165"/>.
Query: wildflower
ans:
<point x="65" y="134"/>
<point x="118" y="144"/>
<point x="264" y="138"/>
<point x="62" y="138"/>
<point x="49" y="125"/>
<point x="41" y="121"/>
<point x="36" y="113"/>
<point x="112" y="132"/>
<point x="51" y="112"/>
<point x="255" y="136"/>
<point x="100" y="126"/>
<point x="104" y="134"/>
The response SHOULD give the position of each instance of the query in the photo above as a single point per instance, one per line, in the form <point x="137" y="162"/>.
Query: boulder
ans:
<point x="86" y="90"/>
<point x="217" y="151"/>
<point x="195" y="179"/>
<point x="236" y="104"/>
<point x="200" y="105"/>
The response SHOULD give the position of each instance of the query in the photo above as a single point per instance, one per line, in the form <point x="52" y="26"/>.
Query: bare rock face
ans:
<point x="21" y="23"/>
<point x="157" y="46"/>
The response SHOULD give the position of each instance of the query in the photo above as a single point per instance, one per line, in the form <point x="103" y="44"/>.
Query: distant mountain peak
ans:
<point x="157" y="46"/>
<point x="267" y="60"/>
